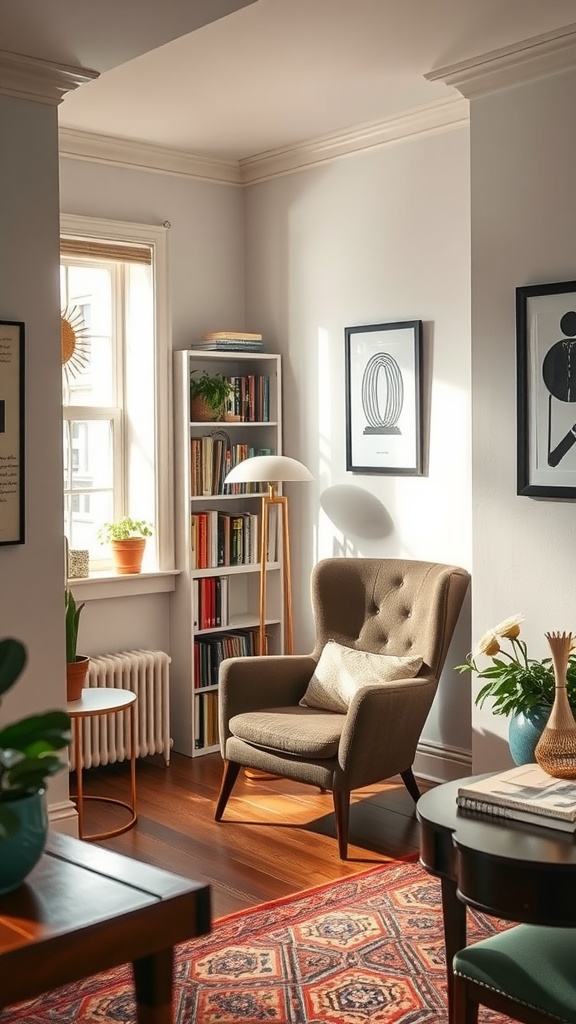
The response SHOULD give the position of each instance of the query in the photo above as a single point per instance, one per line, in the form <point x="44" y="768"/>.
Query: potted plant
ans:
<point x="208" y="396"/>
<point x="76" y="664"/>
<point x="127" y="539"/>
<point x="522" y="688"/>
<point x="27" y="759"/>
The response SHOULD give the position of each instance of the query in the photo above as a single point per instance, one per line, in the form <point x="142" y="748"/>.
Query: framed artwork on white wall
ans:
<point x="384" y="398"/>
<point x="11" y="432"/>
<point x="546" y="390"/>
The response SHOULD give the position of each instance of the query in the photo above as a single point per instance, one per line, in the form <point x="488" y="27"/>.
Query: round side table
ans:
<point x="102" y="700"/>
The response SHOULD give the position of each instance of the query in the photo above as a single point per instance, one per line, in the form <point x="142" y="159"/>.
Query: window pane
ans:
<point x="89" y="374"/>
<point x="88" y="454"/>
<point x="83" y="515"/>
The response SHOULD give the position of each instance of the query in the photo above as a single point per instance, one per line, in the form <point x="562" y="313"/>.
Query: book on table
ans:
<point x="526" y="793"/>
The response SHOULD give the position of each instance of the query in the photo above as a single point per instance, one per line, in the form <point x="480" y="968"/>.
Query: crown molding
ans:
<point x="107" y="149"/>
<point x="41" y="81"/>
<point x="439" y="116"/>
<point x="538" y="57"/>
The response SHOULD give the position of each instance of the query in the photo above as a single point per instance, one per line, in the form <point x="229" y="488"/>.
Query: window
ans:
<point x="115" y="381"/>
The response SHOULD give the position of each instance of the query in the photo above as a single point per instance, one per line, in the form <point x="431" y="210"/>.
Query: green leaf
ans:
<point x="51" y="729"/>
<point x="12" y="661"/>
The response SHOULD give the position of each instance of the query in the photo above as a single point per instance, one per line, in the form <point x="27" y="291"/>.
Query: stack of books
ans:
<point x="525" y="793"/>
<point x="230" y="341"/>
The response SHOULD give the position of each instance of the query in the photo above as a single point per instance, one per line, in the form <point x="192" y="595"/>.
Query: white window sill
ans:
<point x="101" y="585"/>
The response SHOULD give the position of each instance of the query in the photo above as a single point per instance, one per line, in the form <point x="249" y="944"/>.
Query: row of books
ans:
<point x="525" y="793"/>
<point x="206" y="720"/>
<point x="210" y="652"/>
<point x="211" y="602"/>
<point x="220" y="539"/>
<point x="212" y="458"/>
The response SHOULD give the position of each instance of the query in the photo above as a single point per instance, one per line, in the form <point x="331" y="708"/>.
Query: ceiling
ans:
<point x="232" y="79"/>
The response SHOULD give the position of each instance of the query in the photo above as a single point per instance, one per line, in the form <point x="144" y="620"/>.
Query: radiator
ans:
<point x="106" y="737"/>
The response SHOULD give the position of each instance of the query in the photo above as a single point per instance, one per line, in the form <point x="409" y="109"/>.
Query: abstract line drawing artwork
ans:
<point x="383" y="398"/>
<point x="546" y="390"/>
<point x="382" y="420"/>
<point x="12" y="432"/>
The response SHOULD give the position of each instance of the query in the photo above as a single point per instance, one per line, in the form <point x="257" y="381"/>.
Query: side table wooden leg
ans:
<point x="78" y="747"/>
<point x="454" y="914"/>
<point x="153" y="982"/>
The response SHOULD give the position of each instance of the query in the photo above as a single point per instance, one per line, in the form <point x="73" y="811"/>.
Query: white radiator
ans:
<point x="106" y="737"/>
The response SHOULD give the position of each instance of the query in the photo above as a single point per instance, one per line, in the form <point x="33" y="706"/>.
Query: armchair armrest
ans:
<point x="267" y="681"/>
<point x="382" y="729"/>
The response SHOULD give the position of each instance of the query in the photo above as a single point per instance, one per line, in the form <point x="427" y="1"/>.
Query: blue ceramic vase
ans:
<point x="524" y="731"/>
<point x="21" y="851"/>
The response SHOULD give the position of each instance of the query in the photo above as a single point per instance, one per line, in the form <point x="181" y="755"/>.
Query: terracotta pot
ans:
<point x="76" y="672"/>
<point x="127" y="554"/>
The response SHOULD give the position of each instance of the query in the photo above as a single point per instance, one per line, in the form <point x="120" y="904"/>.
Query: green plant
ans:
<point x="124" y="529"/>
<point x="515" y="681"/>
<point x="27" y="746"/>
<point x="72" y="622"/>
<point x="213" y="388"/>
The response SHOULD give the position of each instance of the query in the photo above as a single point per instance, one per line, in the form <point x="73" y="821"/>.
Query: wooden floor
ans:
<point x="276" y="837"/>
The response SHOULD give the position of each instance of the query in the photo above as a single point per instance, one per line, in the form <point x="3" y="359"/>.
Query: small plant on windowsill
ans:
<point x="127" y="539"/>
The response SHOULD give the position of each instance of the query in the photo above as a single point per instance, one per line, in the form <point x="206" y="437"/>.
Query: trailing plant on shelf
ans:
<point x="28" y="746"/>
<point x="516" y="682"/>
<point x="212" y="390"/>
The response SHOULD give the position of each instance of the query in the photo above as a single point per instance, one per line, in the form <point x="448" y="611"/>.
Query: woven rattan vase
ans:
<point x="556" y="749"/>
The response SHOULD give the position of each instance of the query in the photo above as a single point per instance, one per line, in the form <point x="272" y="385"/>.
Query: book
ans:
<point x="485" y="810"/>
<point x="526" y="788"/>
<point x="231" y="336"/>
<point x="228" y="346"/>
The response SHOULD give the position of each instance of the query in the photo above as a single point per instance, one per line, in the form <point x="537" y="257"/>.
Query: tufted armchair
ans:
<point x="380" y="605"/>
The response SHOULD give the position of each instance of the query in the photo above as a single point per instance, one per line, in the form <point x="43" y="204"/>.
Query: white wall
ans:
<point x="376" y="237"/>
<point x="523" y="232"/>
<point x="32" y="584"/>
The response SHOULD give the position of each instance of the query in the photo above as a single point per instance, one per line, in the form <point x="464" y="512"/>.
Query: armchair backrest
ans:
<point x="388" y="606"/>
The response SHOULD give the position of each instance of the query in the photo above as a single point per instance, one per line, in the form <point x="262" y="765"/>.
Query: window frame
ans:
<point x="73" y="226"/>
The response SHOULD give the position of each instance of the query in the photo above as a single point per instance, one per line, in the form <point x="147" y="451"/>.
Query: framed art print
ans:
<point x="11" y="432"/>
<point x="384" y="398"/>
<point x="546" y="390"/>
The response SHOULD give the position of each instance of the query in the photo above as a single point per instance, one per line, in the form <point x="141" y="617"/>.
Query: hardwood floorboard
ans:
<point x="276" y="838"/>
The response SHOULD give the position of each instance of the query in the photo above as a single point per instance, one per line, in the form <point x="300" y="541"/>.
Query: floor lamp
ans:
<point x="273" y="469"/>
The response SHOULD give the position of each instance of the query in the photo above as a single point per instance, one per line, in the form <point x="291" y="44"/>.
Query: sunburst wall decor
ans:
<point x="75" y="344"/>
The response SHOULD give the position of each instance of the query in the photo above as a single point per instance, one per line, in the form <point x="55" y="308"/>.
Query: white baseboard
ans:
<point x="63" y="817"/>
<point x="438" y="763"/>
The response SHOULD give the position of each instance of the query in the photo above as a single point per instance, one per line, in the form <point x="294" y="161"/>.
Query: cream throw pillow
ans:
<point x="341" y="671"/>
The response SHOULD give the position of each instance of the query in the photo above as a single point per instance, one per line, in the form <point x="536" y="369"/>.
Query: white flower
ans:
<point x="487" y="644"/>
<point x="509" y="628"/>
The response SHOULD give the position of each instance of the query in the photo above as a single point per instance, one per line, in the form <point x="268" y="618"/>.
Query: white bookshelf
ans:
<point x="189" y="697"/>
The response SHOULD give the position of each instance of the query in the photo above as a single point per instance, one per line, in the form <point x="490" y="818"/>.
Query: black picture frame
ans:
<point x="383" y="369"/>
<point x="11" y="432"/>
<point x="546" y="390"/>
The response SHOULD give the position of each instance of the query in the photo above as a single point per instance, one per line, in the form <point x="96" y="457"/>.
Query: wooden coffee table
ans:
<point x="83" y="910"/>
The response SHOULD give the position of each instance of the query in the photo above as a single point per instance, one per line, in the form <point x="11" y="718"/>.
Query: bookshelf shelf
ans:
<point x="206" y="593"/>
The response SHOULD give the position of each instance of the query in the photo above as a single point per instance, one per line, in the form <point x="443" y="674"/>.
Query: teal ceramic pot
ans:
<point x="21" y="851"/>
<point x="524" y="731"/>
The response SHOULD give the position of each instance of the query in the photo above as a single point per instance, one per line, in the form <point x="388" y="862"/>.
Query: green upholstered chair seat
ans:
<point x="531" y="964"/>
<point x="303" y="732"/>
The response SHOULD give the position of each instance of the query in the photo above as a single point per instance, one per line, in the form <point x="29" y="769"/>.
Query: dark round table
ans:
<point x="502" y="867"/>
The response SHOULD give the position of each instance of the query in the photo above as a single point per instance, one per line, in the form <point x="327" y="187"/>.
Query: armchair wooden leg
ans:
<point x="410" y="783"/>
<point x="465" y="1008"/>
<point x="341" y="799"/>
<point x="231" y="771"/>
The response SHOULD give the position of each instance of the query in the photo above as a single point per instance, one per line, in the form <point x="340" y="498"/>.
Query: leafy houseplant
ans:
<point x="76" y="664"/>
<point x="127" y="539"/>
<point x="517" y="683"/>
<point x="208" y="395"/>
<point x="27" y="747"/>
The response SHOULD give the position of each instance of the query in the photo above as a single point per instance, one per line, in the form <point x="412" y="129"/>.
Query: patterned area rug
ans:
<point x="365" y="948"/>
